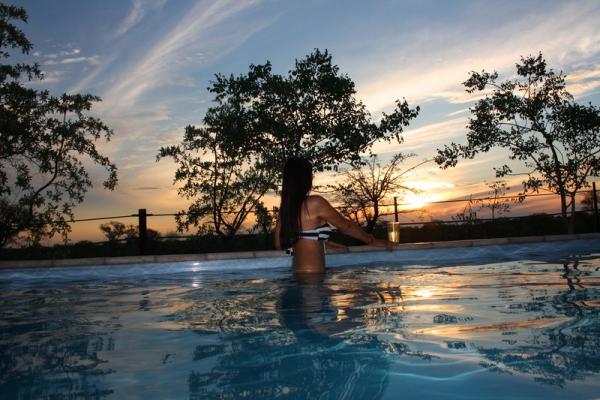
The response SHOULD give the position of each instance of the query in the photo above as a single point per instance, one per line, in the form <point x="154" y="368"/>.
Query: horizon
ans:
<point x="151" y="61"/>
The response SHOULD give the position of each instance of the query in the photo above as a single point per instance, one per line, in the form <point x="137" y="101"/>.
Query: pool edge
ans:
<point x="107" y="261"/>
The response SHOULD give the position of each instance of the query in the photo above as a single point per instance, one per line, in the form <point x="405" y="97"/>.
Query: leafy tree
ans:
<point x="497" y="201"/>
<point x="311" y="112"/>
<point x="43" y="139"/>
<point x="259" y="120"/>
<point x="265" y="222"/>
<point x="265" y="219"/>
<point x="115" y="230"/>
<point x="363" y="189"/>
<point x="224" y="184"/>
<point x="537" y="120"/>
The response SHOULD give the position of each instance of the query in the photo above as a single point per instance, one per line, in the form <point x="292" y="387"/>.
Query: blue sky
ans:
<point x="151" y="62"/>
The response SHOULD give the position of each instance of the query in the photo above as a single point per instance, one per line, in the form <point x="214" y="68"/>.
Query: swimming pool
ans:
<point x="518" y="321"/>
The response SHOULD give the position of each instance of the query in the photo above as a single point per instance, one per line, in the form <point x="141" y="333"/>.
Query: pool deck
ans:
<point x="95" y="261"/>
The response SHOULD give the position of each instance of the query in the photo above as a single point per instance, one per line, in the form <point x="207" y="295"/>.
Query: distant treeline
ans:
<point x="536" y="224"/>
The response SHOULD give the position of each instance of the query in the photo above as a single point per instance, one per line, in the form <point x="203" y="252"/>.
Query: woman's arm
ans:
<point x="335" y="246"/>
<point x="325" y="211"/>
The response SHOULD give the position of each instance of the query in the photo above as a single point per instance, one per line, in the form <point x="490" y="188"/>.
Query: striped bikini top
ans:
<point x="321" y="232"/>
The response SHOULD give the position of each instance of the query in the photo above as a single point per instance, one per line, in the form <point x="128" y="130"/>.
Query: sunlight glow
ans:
<point x="425" y="293"/>
<point x="414" y="202"/>
<point x="196" y="283"/>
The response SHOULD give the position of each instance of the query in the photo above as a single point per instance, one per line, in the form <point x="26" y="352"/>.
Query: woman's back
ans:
<point x="309" y="254"/>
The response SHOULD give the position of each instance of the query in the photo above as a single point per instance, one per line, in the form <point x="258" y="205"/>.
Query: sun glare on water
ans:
<point x="425" y="293"/>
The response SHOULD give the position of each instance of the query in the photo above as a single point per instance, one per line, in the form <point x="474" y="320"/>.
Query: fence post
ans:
<point x="395" y="209"/>
<point x="595" y="203"/>
<point x="143" y="230"/>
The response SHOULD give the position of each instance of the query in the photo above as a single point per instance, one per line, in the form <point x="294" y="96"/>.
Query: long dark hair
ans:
<point x="297" y="182"/>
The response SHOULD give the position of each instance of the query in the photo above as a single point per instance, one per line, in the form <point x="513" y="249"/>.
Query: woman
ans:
<point x="303" y="222"/>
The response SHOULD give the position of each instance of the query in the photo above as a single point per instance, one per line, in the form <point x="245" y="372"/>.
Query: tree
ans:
<point x="265" y="220"/>
<point x="259" y="120"/>
<point x="311" y="112"/>
<point x="497" y="201"/>
<point x="115" y="230"/>
<point x="363" y="189"/>
<point x="223" y="183"/>
<point x="468" y="216"/>
<point x="43" y="139"/>
<point x="537" y="120"/>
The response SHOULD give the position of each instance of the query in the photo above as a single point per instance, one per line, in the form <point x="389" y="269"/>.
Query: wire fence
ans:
<point x="340" y="207"/>
<point x="142" y="214"/>
<point x="415" y="225"/>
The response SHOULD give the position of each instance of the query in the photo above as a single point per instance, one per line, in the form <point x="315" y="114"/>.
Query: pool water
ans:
<point x="520" y="329"/>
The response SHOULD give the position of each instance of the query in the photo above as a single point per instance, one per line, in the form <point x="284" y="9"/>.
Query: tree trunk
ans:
<point x="563" y="211"/>
<point x="572" y="219"/>
<point x="373" y="221"/>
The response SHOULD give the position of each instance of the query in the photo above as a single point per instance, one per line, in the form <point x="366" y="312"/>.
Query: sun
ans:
<point x="413" y="202"/>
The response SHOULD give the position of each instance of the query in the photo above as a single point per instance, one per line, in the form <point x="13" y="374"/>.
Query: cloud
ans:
<point x="583" y="81"/>
<point x="458" y="112"/>
<point x="64" y="57"/>
<point x="434" y="134"/>
<point x="566" y="34"/>
<point x="196" y="34"/>
<point x="134" y="16"/>
<point x="205" y="33"/>
<point x="73" y="60"/>
<point x="64" y="53"/>
<point x="138" y="10"/>
<point x="90" y="77"/>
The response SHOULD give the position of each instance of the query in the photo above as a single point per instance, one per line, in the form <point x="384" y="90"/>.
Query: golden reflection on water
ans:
<point x="443" y="303"/>
<point x="529" y="319"/>
<point x="425" y="293"/>
<point x="466" y="331"/>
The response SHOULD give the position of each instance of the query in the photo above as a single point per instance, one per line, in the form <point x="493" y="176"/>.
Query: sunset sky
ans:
<point x="151" y="62"/>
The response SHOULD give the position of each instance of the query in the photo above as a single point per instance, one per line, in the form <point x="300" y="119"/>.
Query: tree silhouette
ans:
<point x="258" y="121"/>
<point x="225" y="184"/>
<point x="43" y="142"/>
<point x="496" y="200"/>
<point x="363" y="188"/>
<point x="537" y="120"/>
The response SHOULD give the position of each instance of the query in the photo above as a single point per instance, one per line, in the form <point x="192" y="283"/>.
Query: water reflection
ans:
<point x="309" y="356"/>
<point x="49" y="348"/>
<point x="530" y="327"/>
<point x="566" y="352"/>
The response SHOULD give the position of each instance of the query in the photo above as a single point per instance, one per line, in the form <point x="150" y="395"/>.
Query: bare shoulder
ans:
<point x="318" y="205"/>
<point x="315" y="200"/>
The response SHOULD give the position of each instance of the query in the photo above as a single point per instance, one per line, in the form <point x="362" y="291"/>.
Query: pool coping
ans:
<point x="97" y="261"/>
